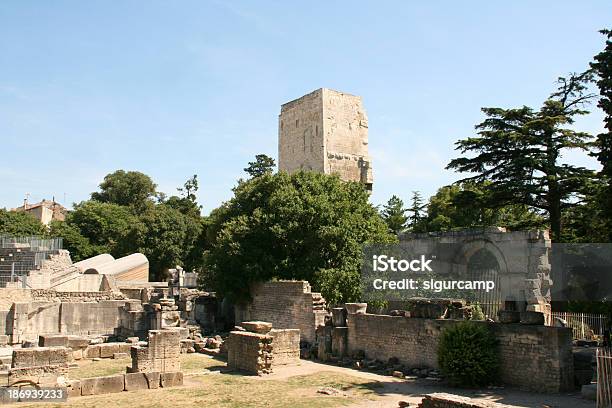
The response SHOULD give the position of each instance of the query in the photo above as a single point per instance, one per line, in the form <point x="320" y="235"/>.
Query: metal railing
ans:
<point x="33" y="242"/>
<point x="604" y="378"/>
<point x="584" y="325"/>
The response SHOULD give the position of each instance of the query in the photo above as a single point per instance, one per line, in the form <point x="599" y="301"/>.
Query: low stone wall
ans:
<point x="454" y="401"/>
<point x="285" y="346"/>
<point x="41" y="356"/>
<point x="123" y="382"/>
<point x="287" y="305"/>
<point x="162" y="353"/>
<point x="250" y="352"/>
<point x="26" y="321"/>
<point x="537" y="358"/>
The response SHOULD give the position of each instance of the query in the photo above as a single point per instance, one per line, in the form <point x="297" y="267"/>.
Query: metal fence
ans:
<point x="604" y="378"/>
<point x="20" y="255"/>
<point x="33" y="243"/>
<point x="584" y="325"/>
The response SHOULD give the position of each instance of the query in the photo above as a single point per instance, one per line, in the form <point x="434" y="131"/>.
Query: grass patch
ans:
<point x="233" y="391"/>
<point x="190" y="363"/>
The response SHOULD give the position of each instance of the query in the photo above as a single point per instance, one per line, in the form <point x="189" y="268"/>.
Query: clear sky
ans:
<point x="174" y="89"/>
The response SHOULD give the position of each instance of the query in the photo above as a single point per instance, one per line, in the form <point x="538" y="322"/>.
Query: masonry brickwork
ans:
<point x="325" y="131"/>
<point x="537" y="358"/>
<point x="287" y="305"/>
<point x="162" y="353"/>
<point x="250" y="352"/>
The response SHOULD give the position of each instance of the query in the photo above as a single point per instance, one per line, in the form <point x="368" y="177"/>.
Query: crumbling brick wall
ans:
<point x="287" y="305"/>
<point x="537" y="358"/>
<point x="162" y="353"/>
<point x="250" y="352"/>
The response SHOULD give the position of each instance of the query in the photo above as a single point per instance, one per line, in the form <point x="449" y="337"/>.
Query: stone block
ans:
<point x="53" y="340"/>
<point x="171" y="379"/>
<point x="76" y="342"/>
<point x="117" y="356"/>
<point x="257" y="327"/>
<point x="102" y="385"/>
<point x="108" y="349"/>
<point x="4" y="339"/>
<point x="77" y="354"/>
<point x="339" y="341"/>
<point x="136" y="381"/>
<point x="23" y="358"/>
<point x="356" y="308"/>
<point x="73" y="388"/>
<point x="92" y="351"/>
<point x="60" y="355"/>
<point x="532" y="318"/>
<point x="508" y="316"/>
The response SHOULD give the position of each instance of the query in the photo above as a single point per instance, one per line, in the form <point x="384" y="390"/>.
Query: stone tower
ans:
<point x="325" y="131"/>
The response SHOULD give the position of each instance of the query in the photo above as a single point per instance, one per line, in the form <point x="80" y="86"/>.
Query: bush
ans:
<point x="468" y="355"/>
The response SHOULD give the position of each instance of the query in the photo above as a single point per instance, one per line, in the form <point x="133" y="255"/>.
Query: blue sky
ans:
<point x="174" y="89"/>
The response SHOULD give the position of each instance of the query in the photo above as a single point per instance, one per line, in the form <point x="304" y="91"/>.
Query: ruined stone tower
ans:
<point x="325" y="131"/>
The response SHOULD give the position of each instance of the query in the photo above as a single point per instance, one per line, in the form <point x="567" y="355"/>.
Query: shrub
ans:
<point x="468" y="355"/>
<point x="477" y="313"/>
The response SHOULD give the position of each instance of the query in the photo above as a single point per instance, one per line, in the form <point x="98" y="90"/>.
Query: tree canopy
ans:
<point x="302" y="226"/>
<point x="519" y="150"/>
<point x="126" y="188"/>
<point x="263" y="164"/>
<point x="394" y="215"/>
<point x="19" y="223"/>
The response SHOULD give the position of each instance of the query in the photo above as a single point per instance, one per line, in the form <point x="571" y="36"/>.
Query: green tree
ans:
<point x="79" y="247"/>
<point x="110" y="227"/>
<point x="306" y="225"/>
<point x="416" y="210"/>
<point x="168" y="238"/>
<point x="132" y="188"/>
<point x="394" y="214"/>
<point x="20" y="223"/>
<point x="519" y="151"/>
<point x="263" y="164"/>
<point x="187" y="203"/>
<point x="464" y="205"/>
<point x="602" y="66"/>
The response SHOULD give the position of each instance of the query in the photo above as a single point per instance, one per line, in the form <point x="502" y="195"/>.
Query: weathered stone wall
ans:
<point x="26" y="321"/>
<point x="41" y="356"/>
<point x="285" y="346"/>
<point x="250" y="352"/>
<point x="300" y="129"/>
<point x="162" y="353"/>
<point x="287" y="305"/>
<point x="325" y="131"/>
<point x="532" y="357"/>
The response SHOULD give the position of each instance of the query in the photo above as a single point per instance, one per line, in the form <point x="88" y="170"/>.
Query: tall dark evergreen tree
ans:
<point x="416" y="210"/>
<point x="519" y="151"/>
<point x="602" y="66"/>
<point x="394" y="214"/>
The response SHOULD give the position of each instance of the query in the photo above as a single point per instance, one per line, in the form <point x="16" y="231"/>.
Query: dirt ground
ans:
<point x="208" y="382"/>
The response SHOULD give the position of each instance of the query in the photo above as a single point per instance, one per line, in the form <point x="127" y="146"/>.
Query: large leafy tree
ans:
<point x="602" y="66"/>
<point x="394" y="214"/>
<point x="109" y="227"/>
<point x="519" y="150"/>
<point x="464" y="205"/>
<point x="127" y="188"/>
<point x="302" y="226"/>
<point x="187" y="203"/>
<point x="263" y="164"/>
<point x="79" y="246"/>
<point x="168" y="238"/>
<point x="19" y="223"/>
